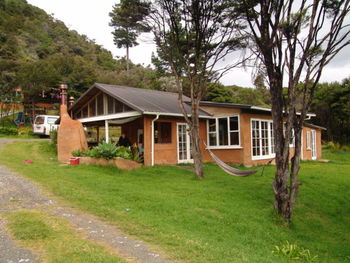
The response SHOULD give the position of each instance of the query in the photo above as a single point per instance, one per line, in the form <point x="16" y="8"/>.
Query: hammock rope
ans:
<point x="234" y="171"/>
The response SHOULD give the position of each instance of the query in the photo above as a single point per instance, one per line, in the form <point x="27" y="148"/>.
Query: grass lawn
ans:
<point x="54" y="240"/>
<point x="221" y="219"/>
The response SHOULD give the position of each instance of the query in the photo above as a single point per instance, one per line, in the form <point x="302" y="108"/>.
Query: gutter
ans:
<point x="152" y="143"/>
<point x="173" y="114"/>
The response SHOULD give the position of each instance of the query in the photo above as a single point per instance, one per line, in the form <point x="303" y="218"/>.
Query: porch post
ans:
<point x="107" y="131"/>
<point x="98" y="134"/>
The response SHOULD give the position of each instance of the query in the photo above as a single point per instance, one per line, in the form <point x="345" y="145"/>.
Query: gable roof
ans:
<point x="145" y="101"/>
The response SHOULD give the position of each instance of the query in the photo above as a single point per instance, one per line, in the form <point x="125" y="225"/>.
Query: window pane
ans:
<point x="255" y="137"/>
<point x="39" y="120"/>
<point x="51" y="120"/>
<point x="118" y="106"/>
<point x="110" y="105"/>
<point x="233" y="124"/>
<point x="162" y="132"/>
<point x="84" y="113"/>
<point x="234" y="137"/>
<point x="212" y="125"/>
<point x="100" y="105"/>
<point x="127" y="108"/>
<point x="92" y="108"/>
<point x="264" y="138"/>
<point x="212" y="139"/>
<point x="272" y="138"/>
<point x="223" y="136"/>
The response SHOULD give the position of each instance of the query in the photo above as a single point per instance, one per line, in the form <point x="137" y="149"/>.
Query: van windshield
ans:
<point x="51" y="120"/>
<point x="39" y="120"/>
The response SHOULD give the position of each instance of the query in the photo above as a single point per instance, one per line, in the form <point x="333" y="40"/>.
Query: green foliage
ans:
<point x="25" y="130"/>
<point x="294" y="252"/>
<point x="103" y="150"/>
<point x="336" y="147"/>
<point x="332" y="108"/>
<point x="127" y="19"/>
<point x="106" y="151"/>
<point x="124" y="152"/>
<point x="53" y="137"/>
<point x="78" y="153"/>
<point x="235" y="94"/>
<point x="37" y="48"/>
<point x="8" y="131"/>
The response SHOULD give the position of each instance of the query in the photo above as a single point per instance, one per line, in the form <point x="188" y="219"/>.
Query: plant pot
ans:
<point x="74" y="160"/>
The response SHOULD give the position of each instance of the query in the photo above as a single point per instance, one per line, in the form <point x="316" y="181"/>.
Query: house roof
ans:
<point x="310" y="125"/>
<point x="245" y="107"/>
<point x="145" y="101"/>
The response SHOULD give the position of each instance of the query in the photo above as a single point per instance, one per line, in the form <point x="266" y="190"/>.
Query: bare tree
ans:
<point x="295" y="40"/>
<point x="192" y="37"/>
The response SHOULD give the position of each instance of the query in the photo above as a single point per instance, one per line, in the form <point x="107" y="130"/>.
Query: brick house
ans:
<point x="236" y="133"/>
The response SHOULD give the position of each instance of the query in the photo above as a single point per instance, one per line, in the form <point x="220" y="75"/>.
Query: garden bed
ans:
<point x="121" y="163"/>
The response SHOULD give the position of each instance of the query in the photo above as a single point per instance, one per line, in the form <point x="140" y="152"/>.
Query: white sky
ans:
<point x="90" y="17"/>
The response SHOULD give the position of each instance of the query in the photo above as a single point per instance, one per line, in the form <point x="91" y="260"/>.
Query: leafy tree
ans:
<point x="332" y="108"/>
<point x="294" y="40"/>
<point x="127" y="19"/>
<point x="192" y="37"/>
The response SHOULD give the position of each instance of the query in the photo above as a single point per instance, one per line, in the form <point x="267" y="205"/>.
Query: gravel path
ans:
<point x="18" y="193"/>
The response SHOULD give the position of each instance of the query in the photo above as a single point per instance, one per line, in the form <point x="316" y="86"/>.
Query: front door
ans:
<point x="183" y="144"/>
<point x="313" y="145"/>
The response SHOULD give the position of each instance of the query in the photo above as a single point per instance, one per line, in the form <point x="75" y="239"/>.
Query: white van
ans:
<point x="44" y="124"/>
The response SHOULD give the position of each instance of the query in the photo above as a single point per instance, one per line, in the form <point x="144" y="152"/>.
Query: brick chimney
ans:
<point x="63" y="88"/>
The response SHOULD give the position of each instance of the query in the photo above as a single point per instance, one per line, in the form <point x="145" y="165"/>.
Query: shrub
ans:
<point x="25" y="130"/>
<point x="103" y="150"/>
<point x="336" y="147"/>
<point x="124" y="152"/>
<point x="108" y="151"/>
<point x="78" y="153"/>
<point x="294" y="252"/>
<point x="8" y="131"/>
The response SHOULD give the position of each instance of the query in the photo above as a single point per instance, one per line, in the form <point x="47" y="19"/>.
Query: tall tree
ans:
<point x="294" y="40"/>
<point x="192" y="37"/>
<point x="127" y="19"/>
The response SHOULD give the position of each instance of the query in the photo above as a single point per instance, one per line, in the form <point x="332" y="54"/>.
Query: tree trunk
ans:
<point x="127" y="60"/>
<point x="280" y="183"/>
<point x="195" y="139"/>
<point x="294" y="185"/>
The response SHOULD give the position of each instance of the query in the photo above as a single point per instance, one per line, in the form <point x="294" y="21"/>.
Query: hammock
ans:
<point x="234" y="171"/>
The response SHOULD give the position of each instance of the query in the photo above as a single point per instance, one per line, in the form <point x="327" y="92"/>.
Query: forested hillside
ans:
<point x="38" y="51"/>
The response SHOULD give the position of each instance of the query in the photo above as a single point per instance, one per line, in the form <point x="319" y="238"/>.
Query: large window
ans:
<point x="162" y="132"/>
<point x="263" y="143"/>
<point x="223" y="132"/>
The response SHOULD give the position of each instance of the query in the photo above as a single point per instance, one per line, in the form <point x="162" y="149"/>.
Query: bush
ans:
<point x="124" y="152"/>
<point x="103" y="150"/>
<point x="25" y="130"/>
<point x="336" y="147"/>
<point x="107" y="151"/>
<point x="78" y="153"/>
<point x="8" y="131"/>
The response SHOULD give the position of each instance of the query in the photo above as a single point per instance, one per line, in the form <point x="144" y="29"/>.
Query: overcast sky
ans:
<point x="90" y="17"/>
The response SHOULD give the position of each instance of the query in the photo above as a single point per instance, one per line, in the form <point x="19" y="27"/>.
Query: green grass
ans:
<point x="220" y="219"/>
<point x="339" y="156"/>
<point x="54" y="240"/>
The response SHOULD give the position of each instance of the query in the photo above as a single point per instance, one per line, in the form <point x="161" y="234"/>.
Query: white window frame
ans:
<point x="308" y="140"/>
<point x="262" y="157"/>
<point x="229" y="146"/>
